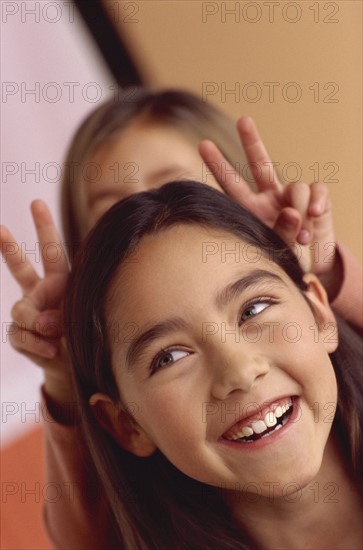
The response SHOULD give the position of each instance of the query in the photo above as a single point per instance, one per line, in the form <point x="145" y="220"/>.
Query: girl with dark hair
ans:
<point x="220" y="404"/>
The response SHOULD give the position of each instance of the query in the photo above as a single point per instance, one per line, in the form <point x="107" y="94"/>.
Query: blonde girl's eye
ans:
<point x="165" y="358"/>
<point x="254" y="309"/>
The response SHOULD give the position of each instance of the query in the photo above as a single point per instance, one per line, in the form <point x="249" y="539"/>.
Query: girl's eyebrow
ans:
<point x="178" y="323"/>
<point x="256" y="277"/>
<point x="153" y="333"/>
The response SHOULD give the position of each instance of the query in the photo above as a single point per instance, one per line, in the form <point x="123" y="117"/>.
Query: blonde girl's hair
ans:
<point x="184" y="111"/>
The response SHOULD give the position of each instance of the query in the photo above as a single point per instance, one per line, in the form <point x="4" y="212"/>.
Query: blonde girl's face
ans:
<point x="142" y="157"/>
<point x="213" y="344"/>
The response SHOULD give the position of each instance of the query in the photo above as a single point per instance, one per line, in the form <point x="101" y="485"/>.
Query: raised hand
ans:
<point x="301" y="214"/>
<point x="37" y="330"/>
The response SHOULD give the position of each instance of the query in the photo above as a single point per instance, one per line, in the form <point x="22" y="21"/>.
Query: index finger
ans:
<point x="18" y="264"/>
<point x="53" y="252"/>
<point x="228" y="178"/>
<point x="261" y="165"/>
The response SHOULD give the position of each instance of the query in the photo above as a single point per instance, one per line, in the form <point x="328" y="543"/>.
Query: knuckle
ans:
<point x="16" y="340"/>
<point x="17" y="310"/>
<point x="302" y="187"/>
<point x="321" y="187"/>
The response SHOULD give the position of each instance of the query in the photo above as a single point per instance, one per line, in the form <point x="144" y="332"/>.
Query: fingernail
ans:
<point x="288" y="221"/>
<point x="304" y="236"/>
<point x="317" y="208"/>
<point x="49" y="325"/>
<point x="47" y="319"/>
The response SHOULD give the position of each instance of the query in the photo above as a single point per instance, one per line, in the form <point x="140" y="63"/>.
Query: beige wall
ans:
<point x="310" y="117"/>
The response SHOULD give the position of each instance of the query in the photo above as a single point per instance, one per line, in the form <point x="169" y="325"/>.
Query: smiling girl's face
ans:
<point x="216" y="350"/>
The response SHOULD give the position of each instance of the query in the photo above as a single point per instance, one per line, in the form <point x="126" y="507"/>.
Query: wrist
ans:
<point x="62" y="412"/>
<point x="59" y="399"/>
<point x="332" y="280"/>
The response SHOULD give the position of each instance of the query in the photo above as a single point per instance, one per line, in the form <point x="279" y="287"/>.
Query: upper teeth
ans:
<point x="259" y="426"/>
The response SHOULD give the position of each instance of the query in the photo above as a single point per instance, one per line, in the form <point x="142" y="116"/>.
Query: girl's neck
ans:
<point x="325" y="514"/>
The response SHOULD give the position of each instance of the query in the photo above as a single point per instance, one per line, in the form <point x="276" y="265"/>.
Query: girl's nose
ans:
<point x="238" y="369"/>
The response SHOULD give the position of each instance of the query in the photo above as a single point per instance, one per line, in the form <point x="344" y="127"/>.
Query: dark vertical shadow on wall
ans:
<point x="110" y="43"/>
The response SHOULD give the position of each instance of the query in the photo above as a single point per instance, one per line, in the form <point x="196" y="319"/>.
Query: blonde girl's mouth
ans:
<point x="270" y="420"/>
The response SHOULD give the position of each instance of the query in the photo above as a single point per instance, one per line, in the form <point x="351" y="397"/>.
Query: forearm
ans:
<point x="80" y="507"/>
<point x="348" y="300"/>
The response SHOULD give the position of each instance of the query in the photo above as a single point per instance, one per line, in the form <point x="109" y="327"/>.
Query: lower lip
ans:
<point x="274" y="437"/>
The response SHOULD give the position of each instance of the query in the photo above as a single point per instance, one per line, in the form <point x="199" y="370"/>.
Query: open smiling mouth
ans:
<point x="268" y="422"/>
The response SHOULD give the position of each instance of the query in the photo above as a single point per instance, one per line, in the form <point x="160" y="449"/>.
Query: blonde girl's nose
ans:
<point x="237" y="370"/>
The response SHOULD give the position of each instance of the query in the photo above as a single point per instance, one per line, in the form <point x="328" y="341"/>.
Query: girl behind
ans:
<point x="163" y="486"/>
<point x="89" y="175"/>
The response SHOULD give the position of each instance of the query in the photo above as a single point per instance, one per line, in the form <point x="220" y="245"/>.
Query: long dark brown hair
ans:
<point x="153" y="504"/>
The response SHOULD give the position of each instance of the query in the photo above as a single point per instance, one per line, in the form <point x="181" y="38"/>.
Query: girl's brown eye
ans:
<point x="167" y="358"/>
<point x="254" y="309"/>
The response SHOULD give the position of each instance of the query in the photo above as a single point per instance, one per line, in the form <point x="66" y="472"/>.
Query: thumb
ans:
<point x="50" y="323"/>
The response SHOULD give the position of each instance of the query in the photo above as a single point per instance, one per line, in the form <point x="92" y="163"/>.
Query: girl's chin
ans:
<point x="287" y="489"/>
<point x="296" y="474"/>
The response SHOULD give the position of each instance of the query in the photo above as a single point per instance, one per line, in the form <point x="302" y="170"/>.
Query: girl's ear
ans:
<point x="121" y="426"/>
<point x="326" y="322"/>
